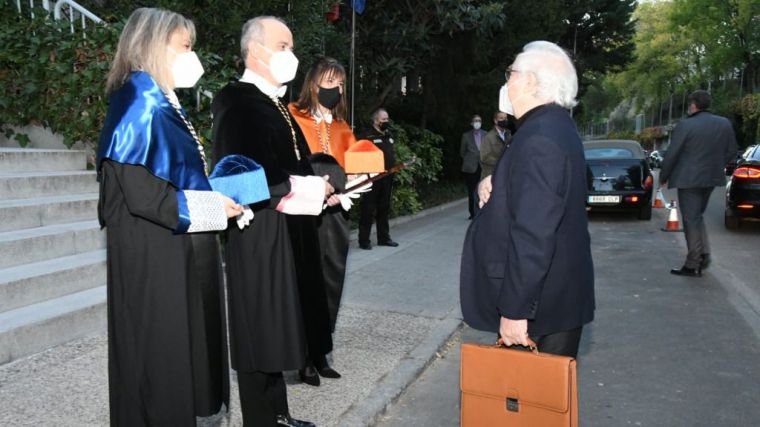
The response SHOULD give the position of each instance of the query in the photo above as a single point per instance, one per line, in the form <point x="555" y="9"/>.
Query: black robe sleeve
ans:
<point x="145" y="195"/>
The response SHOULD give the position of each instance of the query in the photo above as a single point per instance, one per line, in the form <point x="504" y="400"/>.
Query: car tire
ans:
<point x="645" y="213"/>
<point x="730" y="220"/>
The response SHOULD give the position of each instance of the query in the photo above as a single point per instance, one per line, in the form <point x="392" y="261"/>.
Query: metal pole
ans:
<point x="353" y="65"/>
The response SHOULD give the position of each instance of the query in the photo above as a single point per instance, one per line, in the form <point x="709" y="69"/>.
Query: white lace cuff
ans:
<point x="205" y="211"/>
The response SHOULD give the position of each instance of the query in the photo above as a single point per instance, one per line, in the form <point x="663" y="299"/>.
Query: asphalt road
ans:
<point x="663" y="350"/>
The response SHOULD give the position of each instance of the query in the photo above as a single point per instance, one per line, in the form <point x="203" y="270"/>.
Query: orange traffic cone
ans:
<point x="659" y="199"/>
<point x="673" y="223"/>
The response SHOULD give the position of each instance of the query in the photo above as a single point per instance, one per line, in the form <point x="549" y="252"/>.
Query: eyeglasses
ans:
<point x="509" y="72"/>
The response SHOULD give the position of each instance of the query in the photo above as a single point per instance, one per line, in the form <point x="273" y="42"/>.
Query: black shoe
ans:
<point x="688" y="272"/>
<point x="366" y="246"/>
<point x="705" y="261"/>
<point x="390" y="243"/>
<point x="286" y="420"/>
<point x="324" y="369"/>
<point x="328" y="372"/>
<point x="309" y="375"/>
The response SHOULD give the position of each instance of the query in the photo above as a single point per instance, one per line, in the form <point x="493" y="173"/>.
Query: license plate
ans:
<point x="604" y="199"/>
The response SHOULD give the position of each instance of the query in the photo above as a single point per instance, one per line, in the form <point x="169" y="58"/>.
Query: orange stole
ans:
<point x="341" y="136"/>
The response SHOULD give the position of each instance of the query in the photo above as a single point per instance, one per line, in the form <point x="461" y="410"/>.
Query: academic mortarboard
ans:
<point x="364" y="157"/>
<point x="241" y="179"/>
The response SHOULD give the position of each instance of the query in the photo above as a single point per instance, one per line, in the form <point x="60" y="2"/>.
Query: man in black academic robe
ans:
<point x="277" y="302"/>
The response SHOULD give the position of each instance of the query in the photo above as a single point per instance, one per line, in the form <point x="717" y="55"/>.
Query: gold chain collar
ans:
<point x="286" y="116"/>
<point x="325" y="143"/>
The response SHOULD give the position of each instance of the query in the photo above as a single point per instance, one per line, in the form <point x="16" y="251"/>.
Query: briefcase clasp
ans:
<point x="513" y="405"/>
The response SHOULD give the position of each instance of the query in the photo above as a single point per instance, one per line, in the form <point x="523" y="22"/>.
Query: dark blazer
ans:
<point x="469" y="151"/>
<point x="699" y="149"/>
<point x="527" y="255"/>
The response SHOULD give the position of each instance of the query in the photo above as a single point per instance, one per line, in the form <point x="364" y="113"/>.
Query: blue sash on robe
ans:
<point x="142" y="128"/>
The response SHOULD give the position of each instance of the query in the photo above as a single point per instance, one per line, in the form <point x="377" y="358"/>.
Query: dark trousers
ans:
<point x="376" y="205"/>
<point x="563" y="343"/>
<point x="693" y="203"/>
<point x="471" y="180"/>
<point x="262" y="397"/>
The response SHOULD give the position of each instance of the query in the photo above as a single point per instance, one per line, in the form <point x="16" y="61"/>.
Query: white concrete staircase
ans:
<point x="52" y="251"/>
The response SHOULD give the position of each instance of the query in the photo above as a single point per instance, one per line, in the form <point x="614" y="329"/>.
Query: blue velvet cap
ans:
<point x="241" y="179"/>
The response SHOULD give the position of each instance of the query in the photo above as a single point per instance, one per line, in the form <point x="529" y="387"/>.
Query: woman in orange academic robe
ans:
<point x="321" y="114"/>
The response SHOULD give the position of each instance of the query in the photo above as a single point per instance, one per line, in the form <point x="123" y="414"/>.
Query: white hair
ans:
<point x="253" y="30"/>
<point x="554" y="71"/>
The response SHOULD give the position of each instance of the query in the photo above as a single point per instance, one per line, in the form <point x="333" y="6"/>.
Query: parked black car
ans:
<point x="731" y="165"/>
<point x="619" y="177"/>
<point x="743" y="188"/>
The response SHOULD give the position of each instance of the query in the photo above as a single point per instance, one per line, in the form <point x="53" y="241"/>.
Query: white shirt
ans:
<point x="318" y="117"/>
<point x="264" y="86"/>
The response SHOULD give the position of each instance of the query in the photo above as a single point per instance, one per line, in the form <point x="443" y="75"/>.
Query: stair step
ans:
<point x="40" y="281"/>
<point x="34" y="328"/>
<point x="18" y="214"/>
<point x="42" y="160"/>
<point x="23" y="185"/>
<point x="52" y="241"/>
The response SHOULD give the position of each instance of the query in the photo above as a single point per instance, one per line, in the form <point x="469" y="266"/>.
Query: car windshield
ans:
<point x="608" y="153"/>
<point x="754" y="155"/>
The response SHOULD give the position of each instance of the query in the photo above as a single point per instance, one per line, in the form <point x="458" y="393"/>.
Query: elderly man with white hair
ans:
<point x="527" y="271"/>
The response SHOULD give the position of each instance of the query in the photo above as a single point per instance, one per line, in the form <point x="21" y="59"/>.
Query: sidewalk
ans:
<point x="400" y="305"/>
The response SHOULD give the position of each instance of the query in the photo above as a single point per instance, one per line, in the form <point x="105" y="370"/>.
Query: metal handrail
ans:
<point x="57" y="10"/>
<point x="73" y="6"/>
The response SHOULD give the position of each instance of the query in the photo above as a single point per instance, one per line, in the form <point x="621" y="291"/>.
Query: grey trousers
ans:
<point x="693" y="202"/>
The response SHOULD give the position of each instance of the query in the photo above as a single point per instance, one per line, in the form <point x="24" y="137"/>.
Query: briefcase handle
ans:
<point x="531" y="345"/>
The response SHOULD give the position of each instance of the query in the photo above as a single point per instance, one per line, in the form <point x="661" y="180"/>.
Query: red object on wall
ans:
<point x="334" y="13"/>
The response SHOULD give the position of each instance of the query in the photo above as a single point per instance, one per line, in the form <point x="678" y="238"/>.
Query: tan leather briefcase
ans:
<point x="506" y="387"/>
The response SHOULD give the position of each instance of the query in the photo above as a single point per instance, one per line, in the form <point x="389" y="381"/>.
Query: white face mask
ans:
<point x="505" y="104"/>
<point x="186" y="70"/>
<point x="476" y="125"/>
<point x="282" y="64"/>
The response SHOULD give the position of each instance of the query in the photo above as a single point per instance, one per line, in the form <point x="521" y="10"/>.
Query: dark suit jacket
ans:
<point x="469" y="151"/>
<point x="700" y="147"/>
<point x="527" y="255"/>
<point x="490" y="151"/>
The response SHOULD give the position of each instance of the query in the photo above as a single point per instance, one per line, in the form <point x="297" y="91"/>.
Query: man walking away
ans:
<point x="700" y="147"/>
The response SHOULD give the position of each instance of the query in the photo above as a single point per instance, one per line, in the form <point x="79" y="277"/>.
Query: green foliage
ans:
<point x="748" y="109"/>
<point x="423" y="145"/>
<point x="729" y="31"/>
<point x="649" y="136"/>
<point x="622" y="135"/>
<point x="51" y="77"/>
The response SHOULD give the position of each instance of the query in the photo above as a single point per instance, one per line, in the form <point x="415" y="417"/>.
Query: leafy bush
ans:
<point x="411" y="141"/>
<point x="51" y="77"/>
<point x="748" y="108"/>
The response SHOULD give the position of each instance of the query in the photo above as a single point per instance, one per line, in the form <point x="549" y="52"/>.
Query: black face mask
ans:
<point x="383" y="126"/>
<point x="503" y="124"/>
<point x="329" y="98"/>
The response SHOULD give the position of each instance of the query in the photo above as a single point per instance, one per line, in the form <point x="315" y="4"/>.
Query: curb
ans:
<point x="353" y="236"/>
<point x="392" y="385"/>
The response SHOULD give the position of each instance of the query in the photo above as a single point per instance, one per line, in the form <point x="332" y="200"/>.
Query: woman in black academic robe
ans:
<point x="166" y="336"/>
<point x="167" y="350"/>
